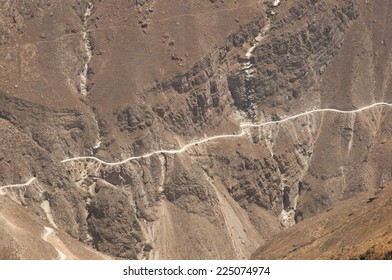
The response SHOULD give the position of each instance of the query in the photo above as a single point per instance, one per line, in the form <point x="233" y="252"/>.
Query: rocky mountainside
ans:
<point x="152" y="129"/>
<point x="357" y="228"/>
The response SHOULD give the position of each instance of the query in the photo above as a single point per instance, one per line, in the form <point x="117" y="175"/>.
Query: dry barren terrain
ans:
<point x="162" y="129"/>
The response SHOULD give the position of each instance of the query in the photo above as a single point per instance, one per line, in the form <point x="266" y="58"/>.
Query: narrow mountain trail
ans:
<point x="244" y="127"/>
<point x="248" y="125"/>
<point x="31" y="180"/>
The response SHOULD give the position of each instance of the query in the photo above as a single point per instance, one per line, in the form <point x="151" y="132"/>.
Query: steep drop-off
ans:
<point x="111" y="80"/>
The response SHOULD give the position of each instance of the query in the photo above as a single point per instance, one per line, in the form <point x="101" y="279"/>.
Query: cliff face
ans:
<point x="182" y="89"/>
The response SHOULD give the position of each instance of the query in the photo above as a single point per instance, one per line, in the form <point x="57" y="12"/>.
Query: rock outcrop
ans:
<point x="156" y="76"/>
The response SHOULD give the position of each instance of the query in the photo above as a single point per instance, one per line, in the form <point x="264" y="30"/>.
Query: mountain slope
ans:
<point x="358" y="228"/>
<point x="209" y="113"/>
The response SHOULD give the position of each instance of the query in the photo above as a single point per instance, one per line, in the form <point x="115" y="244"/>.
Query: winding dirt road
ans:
<point x="249" y="125"/>
<point x="19" y="185"/>
<point x="243" y="126"/>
